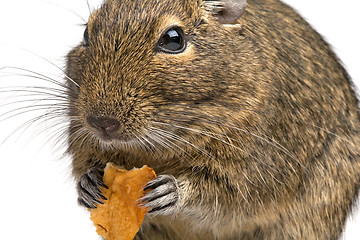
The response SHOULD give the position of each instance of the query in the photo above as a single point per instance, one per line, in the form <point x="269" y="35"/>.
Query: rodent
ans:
<point x="241" y="108"/>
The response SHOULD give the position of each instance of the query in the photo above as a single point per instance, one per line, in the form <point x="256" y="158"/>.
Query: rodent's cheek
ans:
<point x="185" y="56"/>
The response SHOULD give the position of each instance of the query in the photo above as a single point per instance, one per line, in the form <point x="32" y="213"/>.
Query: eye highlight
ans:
<point x="172" y="41"/>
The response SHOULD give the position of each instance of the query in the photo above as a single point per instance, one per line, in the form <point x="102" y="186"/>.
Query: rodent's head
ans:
<point x="152" y="69"/>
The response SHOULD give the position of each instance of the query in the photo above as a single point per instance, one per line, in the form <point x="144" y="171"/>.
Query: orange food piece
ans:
<point x="120" y="217"/>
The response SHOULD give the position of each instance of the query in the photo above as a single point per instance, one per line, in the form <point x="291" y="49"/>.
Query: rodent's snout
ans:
<point x="106" y="126"/>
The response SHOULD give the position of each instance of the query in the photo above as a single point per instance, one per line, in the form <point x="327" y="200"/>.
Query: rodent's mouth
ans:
<point x="123" y="138"/>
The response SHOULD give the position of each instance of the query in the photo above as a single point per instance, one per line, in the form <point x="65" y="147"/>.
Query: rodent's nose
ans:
<point x="105" y="124"/>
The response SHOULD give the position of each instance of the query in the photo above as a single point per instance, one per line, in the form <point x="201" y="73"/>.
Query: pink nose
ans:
<point x="104" y="124"/>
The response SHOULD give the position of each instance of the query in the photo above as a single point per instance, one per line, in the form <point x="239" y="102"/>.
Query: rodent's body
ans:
<point x="256" y="122"/>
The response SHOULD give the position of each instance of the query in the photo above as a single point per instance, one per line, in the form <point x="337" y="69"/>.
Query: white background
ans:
<point x="37" y="198"/>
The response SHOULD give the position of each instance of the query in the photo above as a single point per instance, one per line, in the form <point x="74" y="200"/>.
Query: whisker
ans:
<point x="67" y="9"/>
<point x="59" y="134"/>
<point x="265" y="139"/>
<point x="29" y="101"/>
<point x="39" y="107"/>
<point x="237" y="106"/>
<point x="232" y="145"/>
<point x="48" y="61"/>
<point x="157" y="138"/>
<point x="86" y="135"/>
<point x="329" y="132"/>
<point x="167" y="137"/>
<point x="236" y="126"/>
<point x="36" y="97"/>
<point x="148" y="141"/>
<point x="38" y="89"/>
<point x="89" y="8"/>
<point x="28" y="123"/>
<point x="140" y="142"/>
<point x="211" y="136"/>
<point x="51" y="130"/>
<point x="37" y="76"/>
<point x="79" y="134"/>
<point x="182" y="140"/>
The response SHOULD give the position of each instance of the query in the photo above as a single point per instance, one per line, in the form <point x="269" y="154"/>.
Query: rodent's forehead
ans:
<point x="135" y="13"/>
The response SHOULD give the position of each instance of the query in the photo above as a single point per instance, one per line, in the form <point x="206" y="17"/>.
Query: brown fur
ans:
<point x="274" y="150"/>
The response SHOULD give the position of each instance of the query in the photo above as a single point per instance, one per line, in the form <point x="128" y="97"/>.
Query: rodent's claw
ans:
<point x="163" y="197"/>
<point x="89" y="189"/>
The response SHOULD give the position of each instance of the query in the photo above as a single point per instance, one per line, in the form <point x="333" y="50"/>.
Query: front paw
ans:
<point x="163" y="197"/>
<point x="89" y="188"/>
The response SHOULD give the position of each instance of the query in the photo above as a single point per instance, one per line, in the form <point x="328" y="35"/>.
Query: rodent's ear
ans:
<point x="226" y="11"/>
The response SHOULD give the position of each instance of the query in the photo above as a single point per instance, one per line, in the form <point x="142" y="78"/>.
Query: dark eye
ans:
<point x="172" y="41"/>
<point x="86" y="37"/>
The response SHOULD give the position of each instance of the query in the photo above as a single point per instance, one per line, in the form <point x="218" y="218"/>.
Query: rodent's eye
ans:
<point x="86" y="37"/>
<point x="172" y="41"/>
